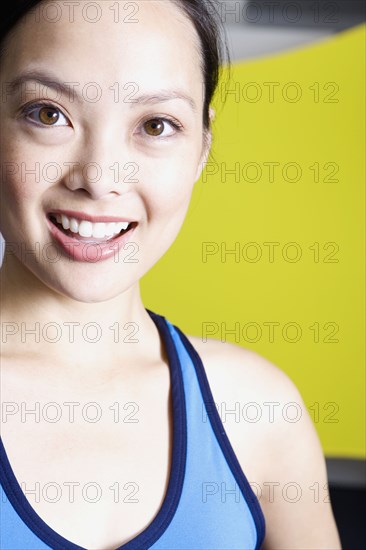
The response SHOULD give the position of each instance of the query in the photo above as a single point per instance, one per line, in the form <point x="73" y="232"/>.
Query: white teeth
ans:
<point x="121" y="225"/>
<point x="109" y="229"/>
<point x="98" y="231"/>
<point x="74" y="225"/>
<point x="86" y="228"/>
<point x="65" y="222"/>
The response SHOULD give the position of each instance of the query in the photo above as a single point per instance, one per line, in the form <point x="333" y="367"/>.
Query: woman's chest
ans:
<point x="94" y="469"/>
<point x="95" y="465"/>
<point x="96" y="497"/>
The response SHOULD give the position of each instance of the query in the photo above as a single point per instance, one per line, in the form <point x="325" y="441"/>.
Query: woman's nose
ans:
<point x="102" y="170"/>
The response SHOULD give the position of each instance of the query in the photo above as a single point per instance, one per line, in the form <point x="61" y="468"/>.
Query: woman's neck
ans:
<point x="38" y="322"/>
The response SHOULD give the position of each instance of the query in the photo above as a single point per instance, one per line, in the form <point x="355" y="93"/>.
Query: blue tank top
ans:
<point x="209" y="503"/>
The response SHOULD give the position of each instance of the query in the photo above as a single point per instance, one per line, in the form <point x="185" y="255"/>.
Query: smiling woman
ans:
<point x="110" y="437"/>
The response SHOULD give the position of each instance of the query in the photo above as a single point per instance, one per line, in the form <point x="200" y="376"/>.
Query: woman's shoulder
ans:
<point x="260" y="407"/>
<point x="257" y="401"/>
<point x="275" y="441"/>
<point x="255" y="397"/>
<point x="233" y="367"/>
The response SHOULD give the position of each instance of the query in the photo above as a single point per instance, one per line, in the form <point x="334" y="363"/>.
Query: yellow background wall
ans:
<point x="322" y="212"/>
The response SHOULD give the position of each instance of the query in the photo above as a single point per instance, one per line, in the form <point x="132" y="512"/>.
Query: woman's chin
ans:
<point x="93" y="291"/>
<point x="75" y="284"/>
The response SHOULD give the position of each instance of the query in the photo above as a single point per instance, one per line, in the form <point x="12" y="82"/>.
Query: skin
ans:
<point x="34" y="289"/>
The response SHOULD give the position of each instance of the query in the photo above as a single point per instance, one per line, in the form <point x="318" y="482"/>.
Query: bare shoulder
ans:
<point x="276" y="443"/>
<point x="257" y="400"/>
<point x="259" y="404"/>
<point x="233" y="366"/>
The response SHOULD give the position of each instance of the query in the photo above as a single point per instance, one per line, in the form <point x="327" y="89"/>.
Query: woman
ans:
<point x="110" y="435"/>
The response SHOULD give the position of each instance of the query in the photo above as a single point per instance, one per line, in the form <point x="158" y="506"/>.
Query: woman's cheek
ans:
<point x="168" y="180"/>
<point x="28" y="169"/>
<point x="22" y="179"/>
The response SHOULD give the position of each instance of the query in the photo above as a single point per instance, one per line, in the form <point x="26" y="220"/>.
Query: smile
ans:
<point x="89" y="240"/>
<point x="84" y="228"/>
<point x="81" y="228"/>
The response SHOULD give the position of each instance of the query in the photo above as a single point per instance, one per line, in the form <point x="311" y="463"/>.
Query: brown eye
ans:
<point x="44" y="115"/>
<point x="154" y="127"/>
<point x="48" y="115"/>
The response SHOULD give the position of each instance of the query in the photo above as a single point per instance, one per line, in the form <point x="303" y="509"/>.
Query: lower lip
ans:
<point x="81" y="251"/>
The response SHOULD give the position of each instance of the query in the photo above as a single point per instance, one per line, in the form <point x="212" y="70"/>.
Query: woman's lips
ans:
<point x="89" y="249"/>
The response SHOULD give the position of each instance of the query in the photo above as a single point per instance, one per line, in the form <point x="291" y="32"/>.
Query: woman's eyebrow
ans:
<point x="161" y="97"/>
<point x="46" y="79"/>
<point x="70" y="89"/>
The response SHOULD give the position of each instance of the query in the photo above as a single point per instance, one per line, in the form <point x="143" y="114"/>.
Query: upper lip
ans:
<point x="89" y="217"/>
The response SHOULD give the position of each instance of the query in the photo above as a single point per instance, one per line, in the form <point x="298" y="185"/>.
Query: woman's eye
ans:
<point x="46" y="115"/>
<point x="155" y="127"/>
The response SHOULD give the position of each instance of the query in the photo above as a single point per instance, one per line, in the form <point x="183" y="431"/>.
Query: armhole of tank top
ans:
<point x="224" y="441"/>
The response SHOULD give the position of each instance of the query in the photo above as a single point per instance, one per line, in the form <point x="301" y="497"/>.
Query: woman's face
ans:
<point x="122" y="137"/>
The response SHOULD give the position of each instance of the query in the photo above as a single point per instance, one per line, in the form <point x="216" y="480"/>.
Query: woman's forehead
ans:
<point x="143" y="42"/>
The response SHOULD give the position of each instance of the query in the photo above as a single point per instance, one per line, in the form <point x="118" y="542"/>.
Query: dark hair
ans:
<point x="204" y="15"/>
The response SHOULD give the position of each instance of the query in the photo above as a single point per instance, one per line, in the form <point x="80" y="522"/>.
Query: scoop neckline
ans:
<point x="167" y="510"/>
